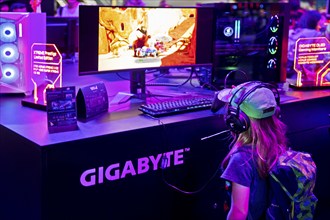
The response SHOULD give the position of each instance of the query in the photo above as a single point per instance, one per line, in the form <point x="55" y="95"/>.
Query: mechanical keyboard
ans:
<point x="177" y="106"/>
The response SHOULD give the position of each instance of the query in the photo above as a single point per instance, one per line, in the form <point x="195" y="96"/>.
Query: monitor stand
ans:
<point x="138" y="83"/>
<point x="137" y="88"/>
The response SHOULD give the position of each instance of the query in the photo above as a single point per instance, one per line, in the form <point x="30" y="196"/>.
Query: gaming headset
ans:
<point x="236" y="120"/>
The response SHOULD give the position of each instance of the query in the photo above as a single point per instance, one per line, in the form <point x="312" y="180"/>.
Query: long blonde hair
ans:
<point x="268" y="140"/>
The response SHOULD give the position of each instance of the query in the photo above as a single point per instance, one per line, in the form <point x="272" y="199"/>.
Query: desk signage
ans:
<point x="92" y="100"/>
<point x="312" y="61"/>
<point x="61" y="109"/>
<point x="46" y="69"/>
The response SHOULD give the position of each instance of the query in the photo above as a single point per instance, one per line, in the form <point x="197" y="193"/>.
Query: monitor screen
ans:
<point x="139" y="38"/>
<point x="250" y="38"/>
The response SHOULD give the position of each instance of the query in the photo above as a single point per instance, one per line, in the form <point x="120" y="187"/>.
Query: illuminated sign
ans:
<point x="46" y="70"/>
<point x="138" y="166"/>
<point x="312" y="61"/>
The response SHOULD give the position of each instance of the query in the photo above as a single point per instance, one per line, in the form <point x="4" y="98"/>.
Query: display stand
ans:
<point x="46" y="68"/>
<point x="92" y="100"/>
<point x="138" y="83"/>
<point x="61" y="109"/>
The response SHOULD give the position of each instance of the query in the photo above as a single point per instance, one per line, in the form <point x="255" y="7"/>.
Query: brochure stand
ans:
<point x="92" y="100"/>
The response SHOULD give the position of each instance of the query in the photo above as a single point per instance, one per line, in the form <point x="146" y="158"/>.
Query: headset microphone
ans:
<point x="213" y="135"/>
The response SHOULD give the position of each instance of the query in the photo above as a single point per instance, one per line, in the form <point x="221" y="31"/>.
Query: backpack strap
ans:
<point x="279" y="202"/>
<point x="286" y="192"/>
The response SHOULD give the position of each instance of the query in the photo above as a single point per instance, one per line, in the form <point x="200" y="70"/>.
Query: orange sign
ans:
<point x="312" y="61"/>
<point x="46" y="69"/>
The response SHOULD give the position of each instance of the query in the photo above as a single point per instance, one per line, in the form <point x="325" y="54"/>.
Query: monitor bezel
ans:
<point x="88" y="32"/>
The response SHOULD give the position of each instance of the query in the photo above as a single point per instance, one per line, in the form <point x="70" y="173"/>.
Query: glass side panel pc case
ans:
<point x="250" y="37"/>
<point x="18" y="32"/>
<point x="113" y="38"/>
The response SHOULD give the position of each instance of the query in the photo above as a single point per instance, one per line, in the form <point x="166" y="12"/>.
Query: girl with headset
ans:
<point x="258" y="140"/>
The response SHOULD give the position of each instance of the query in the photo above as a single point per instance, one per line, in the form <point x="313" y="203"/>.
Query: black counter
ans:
<point x="111" y="167"/>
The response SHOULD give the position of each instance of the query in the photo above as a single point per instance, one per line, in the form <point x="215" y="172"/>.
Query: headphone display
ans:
<point x="236" y="120"/>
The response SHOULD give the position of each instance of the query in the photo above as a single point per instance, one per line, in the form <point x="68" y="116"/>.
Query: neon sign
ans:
<point x="312" y="61"/>
<point x="46" y="70"/>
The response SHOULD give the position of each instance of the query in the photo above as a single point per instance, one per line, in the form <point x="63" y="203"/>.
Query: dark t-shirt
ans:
<point x="242" y="169"/>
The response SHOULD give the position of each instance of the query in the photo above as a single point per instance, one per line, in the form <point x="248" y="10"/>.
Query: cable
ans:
<point x="170" y="84"/>
<point x="164" y="163"/>
<point x="121" y="77"/>
<point x="163" y="84"/>
<point x="233" y="71"/>
<point x="196" y="191"/>
<point x="149" y="83"/>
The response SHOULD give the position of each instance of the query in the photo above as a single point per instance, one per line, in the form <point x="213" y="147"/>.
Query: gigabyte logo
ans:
<point x="141" y="165"/>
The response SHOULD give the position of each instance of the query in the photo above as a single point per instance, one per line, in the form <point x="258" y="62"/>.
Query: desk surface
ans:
<point x="32" y="124"/>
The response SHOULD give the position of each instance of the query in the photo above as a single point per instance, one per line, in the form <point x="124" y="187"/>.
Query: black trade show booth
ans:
<point x="112" y="166"/>
<point x="122" y="163"/>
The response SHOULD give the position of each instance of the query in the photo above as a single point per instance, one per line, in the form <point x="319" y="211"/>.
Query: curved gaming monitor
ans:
<point x="113" y="38"/>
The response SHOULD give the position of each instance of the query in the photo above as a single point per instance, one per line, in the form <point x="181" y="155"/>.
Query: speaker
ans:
<point x="18" y="32"/>
<point x="236" y="120"/>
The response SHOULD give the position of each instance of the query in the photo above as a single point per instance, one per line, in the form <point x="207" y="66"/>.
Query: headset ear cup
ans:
<point x="237" y="124"/>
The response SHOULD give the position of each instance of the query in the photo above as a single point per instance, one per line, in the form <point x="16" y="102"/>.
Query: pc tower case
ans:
<point x="250" y="41"/>
<point x="18" y="32"/>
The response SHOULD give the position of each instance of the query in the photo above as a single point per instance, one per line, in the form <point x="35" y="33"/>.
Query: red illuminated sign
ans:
<point x="312" y="61"/>
<point x="46" y="67"/>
